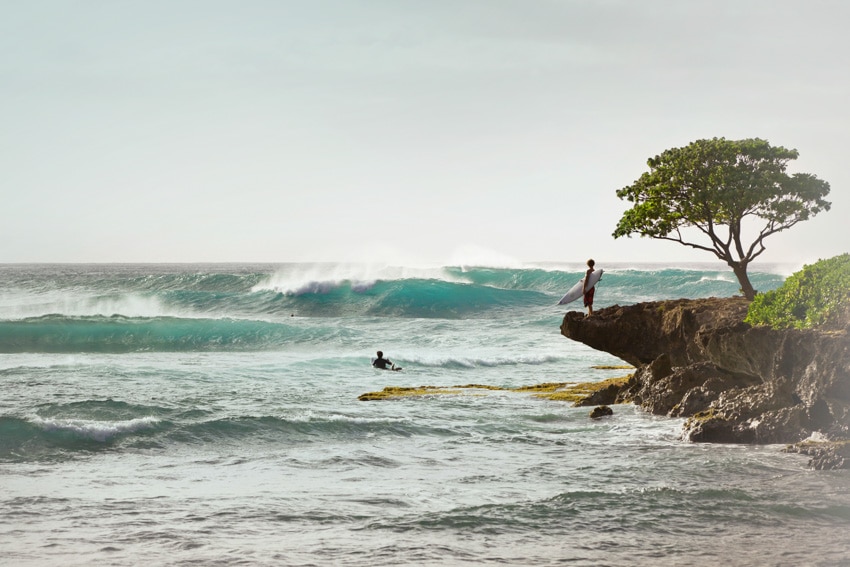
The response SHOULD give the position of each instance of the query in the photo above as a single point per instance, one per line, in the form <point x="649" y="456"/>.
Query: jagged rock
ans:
<point x="735" y="383"/>
<point x="601" y="411"/>
<point x="764" y="413"/>
<point x="824" y="454"/>
<point x="660" y="367"/>
<point x="685" y="390"/>
<point x="641" y="333"/>
<point x="601" y="397"/>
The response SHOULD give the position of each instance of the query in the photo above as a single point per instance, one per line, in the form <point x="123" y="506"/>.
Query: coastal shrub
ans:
<point x="817" y="295"/>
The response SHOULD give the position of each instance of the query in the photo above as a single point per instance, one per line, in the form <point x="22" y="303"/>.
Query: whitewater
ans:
<point x="209" y="415"/>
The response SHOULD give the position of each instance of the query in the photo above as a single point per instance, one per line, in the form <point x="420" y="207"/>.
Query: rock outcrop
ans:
<point x="735" y="383"/>
<point x="600" y="411"/>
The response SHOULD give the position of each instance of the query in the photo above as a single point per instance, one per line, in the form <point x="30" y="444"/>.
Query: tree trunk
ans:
<point x="740" y="269"/>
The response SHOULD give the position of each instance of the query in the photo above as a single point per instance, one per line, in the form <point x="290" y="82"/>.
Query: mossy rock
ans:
<point x="392" y="392"/>
<point x="579" y="394"/>
<point x="558" y="391"/>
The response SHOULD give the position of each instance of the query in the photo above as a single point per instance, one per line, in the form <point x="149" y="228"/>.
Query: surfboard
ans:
<point x="578" y="290"/>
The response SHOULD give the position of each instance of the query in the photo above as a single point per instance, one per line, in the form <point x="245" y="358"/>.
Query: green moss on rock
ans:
<point x="577" y="392"/>
<point x="558" y="391"/>
<point x="391" y="392"/>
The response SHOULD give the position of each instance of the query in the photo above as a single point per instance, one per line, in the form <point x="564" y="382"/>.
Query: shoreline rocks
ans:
<point x="734" y="383"/>
<point x="600" y="412"/>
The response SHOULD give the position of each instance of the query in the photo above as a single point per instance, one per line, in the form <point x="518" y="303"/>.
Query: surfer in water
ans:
<point x="588" y="293"/>
<point x="384" y="363"/>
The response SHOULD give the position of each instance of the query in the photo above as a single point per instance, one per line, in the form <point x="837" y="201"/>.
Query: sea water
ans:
<point x="209" y="415"/>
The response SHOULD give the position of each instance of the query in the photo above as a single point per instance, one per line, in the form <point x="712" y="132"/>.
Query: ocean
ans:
<point x="209" y="415"/>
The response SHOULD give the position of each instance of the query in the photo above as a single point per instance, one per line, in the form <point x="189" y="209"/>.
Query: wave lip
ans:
<point x="46" y="437"/>
<point x="496" y="361"/>
<point x="101" y="431"/>
<point x="297" y="280"/>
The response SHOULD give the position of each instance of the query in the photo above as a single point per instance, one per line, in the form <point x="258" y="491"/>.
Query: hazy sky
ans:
<point x="396" y="131"/>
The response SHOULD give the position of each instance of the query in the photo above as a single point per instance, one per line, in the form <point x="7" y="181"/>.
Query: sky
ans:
<point x="397" y="131"/>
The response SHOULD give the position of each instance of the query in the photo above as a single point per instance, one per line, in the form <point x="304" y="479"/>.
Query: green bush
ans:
<point x="815" y="296"/>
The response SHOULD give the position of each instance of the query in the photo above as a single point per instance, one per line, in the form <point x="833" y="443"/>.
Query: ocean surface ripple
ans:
<point x="208" y="414"/>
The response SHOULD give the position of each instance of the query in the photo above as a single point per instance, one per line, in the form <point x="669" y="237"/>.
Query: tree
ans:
<point x="713" y="186"/>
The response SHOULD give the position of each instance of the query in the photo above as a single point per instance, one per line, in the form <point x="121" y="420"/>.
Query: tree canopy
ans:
<point x="714" y="186"/>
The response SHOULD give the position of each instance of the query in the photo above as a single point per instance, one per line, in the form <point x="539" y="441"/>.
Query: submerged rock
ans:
<point x="736" y="383"/>
<point x="601" y="411"/>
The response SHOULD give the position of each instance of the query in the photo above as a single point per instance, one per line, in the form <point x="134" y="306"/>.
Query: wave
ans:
<point x="166" y="294"/>
<point x="492" y="362"/>
<point x="296" y="429"/>
<point x="101" y="431"/>
<point x="40" y="437"/>
<point x="119" y="334"/>
<point x="47" y="437"/>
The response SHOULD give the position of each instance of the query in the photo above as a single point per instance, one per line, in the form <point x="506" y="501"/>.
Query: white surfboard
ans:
<point x="578" y="290"/>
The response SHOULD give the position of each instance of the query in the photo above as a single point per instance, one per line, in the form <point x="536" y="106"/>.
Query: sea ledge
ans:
<point x="735" y="383"/>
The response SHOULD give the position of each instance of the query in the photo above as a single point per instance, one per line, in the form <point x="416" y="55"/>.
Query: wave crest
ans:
<point x="100" y="431"/>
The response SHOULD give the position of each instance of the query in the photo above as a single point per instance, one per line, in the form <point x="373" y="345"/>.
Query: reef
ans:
<point x="733" y="382"/>
<point x="580" y="394"/>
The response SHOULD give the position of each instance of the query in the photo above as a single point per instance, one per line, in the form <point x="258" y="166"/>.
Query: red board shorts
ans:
<point x="588" y="297"/>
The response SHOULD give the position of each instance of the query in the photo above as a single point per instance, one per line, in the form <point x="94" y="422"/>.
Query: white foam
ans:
<point x="365" y="420"/>
<point x="322" y="278"/>
<point x="817" y="437"/>
<point x="718" y="278"/>
<point x="96" y="430"/>
<point x="27" y="305"/>
<point x="469" y="362"/>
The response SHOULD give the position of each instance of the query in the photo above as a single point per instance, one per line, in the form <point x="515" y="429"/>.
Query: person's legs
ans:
<point x="588" y="301"/>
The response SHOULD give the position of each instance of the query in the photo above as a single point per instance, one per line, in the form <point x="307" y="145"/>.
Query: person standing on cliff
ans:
<point x="588" y="293"/>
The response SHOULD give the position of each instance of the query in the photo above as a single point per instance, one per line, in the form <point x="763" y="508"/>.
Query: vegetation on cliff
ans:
<point x="710" y="188"/>
<point x="816" y="296"/>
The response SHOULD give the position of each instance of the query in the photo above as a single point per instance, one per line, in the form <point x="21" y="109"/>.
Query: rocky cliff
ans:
<point x="735" y="383"/>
